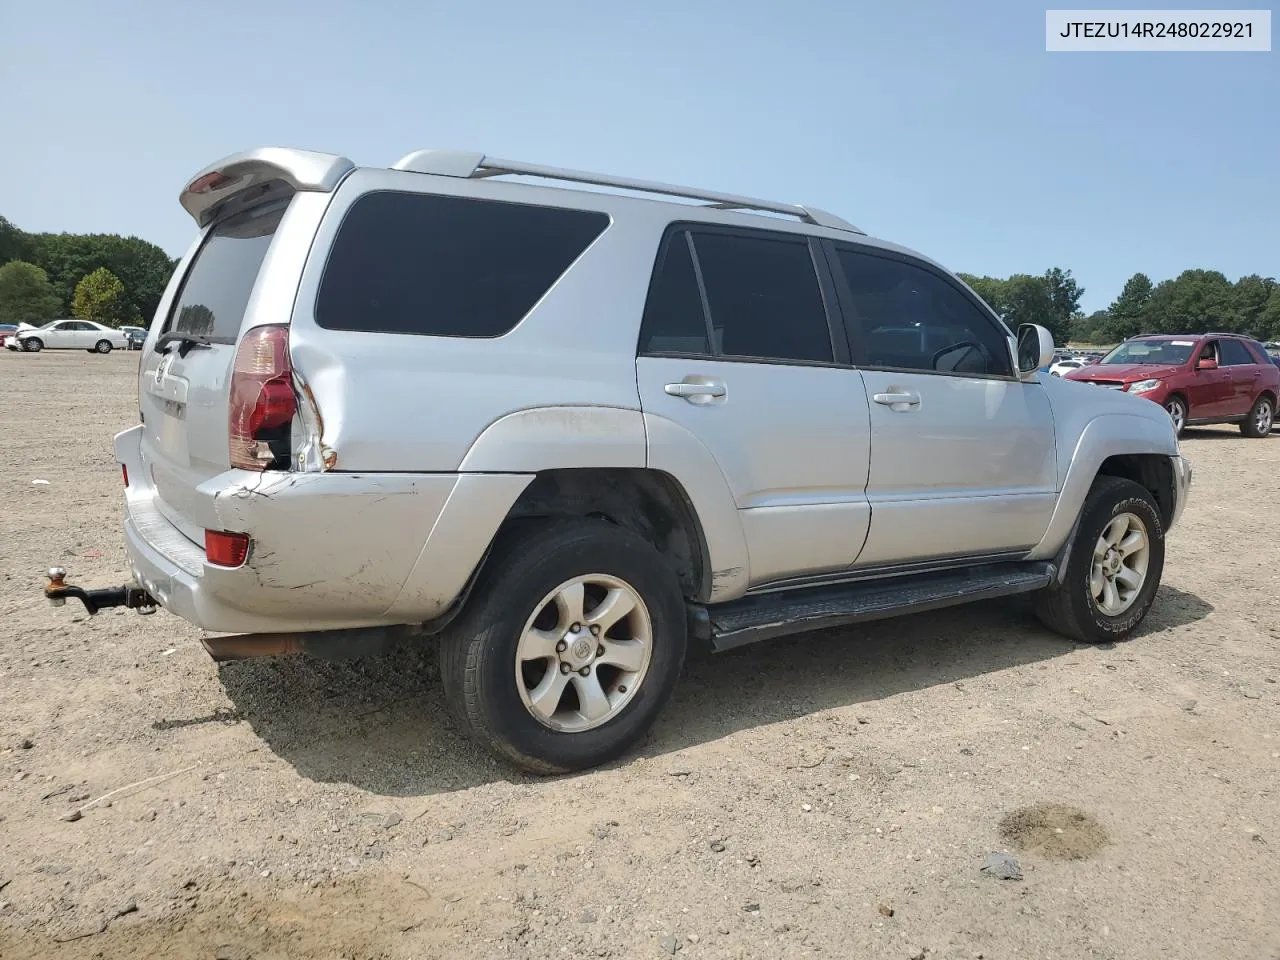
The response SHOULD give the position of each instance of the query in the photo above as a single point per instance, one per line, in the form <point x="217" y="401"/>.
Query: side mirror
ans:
<point x="1207" y="363"/>
<point x="1035" y="349"/>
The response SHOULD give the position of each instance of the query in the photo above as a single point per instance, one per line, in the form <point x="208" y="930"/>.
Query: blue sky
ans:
<point x="943" y="125"/>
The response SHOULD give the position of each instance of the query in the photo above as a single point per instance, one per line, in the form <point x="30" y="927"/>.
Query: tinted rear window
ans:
<point x="446" y="266"/>
<point x="1233" y="353"/>
<point x="216" y="288"/>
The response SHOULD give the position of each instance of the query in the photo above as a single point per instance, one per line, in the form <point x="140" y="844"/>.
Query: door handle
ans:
<point x="694" y="392"/>
<point x="896" y="400"/>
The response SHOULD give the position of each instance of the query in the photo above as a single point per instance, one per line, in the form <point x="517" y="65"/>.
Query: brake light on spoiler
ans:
<point x="262" y="402"/>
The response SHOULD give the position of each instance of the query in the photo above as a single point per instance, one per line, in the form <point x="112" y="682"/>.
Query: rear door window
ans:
<point x="736" y="296"/>
<point x="763" y="297"/>
<point x="216" y="289"/>
<point x="446" y="266"/>
<point x="675" y="322"/>
<point x="1233" y="354"/>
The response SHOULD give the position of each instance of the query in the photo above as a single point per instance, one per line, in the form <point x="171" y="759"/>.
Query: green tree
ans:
<point x="990" y="289"/>
<point x="100" y="296"/>
<point x="13" y="242"/>
<point x="1064" y="299"/>
<point x="1251" y="295"/>
<point x="1051" y="300"/>
<point x="26" y="295"/>
<point x="1269" y="319"/>
<point x="1093" y="328"/>
<point x="1126" y="315"/>
<point x="1196" y="301"/>
<point x="142" y="267"/>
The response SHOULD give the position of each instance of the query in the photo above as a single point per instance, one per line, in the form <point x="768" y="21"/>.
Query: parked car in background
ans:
<point x="6" y="331"/>
<point x="1198" y="379"/>
<point x="72" y="335"/>
<point x="1063" y="366"/>
<point x="781" y="425"/>
<point x="135" y="335"/>
<point x="11" y="340"/>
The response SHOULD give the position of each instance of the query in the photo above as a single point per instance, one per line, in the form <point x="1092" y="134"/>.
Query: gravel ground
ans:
<point x="837" y="794"/>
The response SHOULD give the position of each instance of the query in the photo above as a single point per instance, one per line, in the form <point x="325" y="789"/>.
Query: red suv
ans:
<point x="1203" y="378"/>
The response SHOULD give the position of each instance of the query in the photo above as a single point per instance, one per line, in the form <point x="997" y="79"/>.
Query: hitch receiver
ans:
<point x="135" y="598"/>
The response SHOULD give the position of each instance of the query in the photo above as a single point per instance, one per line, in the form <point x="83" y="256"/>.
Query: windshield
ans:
<point x="1154" y="352"/>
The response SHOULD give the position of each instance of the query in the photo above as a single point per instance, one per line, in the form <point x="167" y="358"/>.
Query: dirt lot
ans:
<point x="833" y="795"/>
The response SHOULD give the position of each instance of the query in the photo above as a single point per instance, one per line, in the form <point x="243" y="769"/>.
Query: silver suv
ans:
<point x="567" y="431"/>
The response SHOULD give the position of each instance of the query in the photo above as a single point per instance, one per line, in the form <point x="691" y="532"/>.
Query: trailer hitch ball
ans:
<point x="57" y="581"/>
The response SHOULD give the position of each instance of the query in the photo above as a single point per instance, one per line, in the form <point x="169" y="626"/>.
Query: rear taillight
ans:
<point x="226" y="549"/>
<point x="124" y="470"/>
<point x="262" y="402"/>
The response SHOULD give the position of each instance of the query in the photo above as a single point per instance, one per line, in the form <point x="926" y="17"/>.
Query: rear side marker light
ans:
<point x="124" y="470"/>
<point x="226" y="549"/>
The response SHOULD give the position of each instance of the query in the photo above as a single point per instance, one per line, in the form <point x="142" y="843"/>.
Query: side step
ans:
<point x="766" y="616"/>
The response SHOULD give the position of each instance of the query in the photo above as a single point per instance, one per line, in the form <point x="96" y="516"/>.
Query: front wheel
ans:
<point x="33" y="345"/>
<point x="1176" y="407"/>
<point x="1113" y="568"/>
<point x="102" y="346"/>
<point x="569" y="648"/>
<point x="1261" y="417"/>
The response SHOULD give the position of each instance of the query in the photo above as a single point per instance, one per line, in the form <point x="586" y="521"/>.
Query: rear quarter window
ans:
<point x="446" y="266"/>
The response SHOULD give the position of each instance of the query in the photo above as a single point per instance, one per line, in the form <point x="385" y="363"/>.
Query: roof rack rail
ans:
<point x="458" y="163"/>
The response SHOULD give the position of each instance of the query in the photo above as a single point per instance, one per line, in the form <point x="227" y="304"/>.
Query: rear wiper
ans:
<point x="186" y="340"/>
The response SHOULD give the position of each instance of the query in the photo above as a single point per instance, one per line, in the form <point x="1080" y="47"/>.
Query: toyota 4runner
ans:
<point x="567" y="431"/>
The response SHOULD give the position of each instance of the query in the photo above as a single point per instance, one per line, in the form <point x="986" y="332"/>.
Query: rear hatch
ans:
<point x="184" y="380"/>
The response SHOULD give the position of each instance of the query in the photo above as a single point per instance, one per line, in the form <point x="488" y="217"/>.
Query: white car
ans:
<point x="71" y="335"/>
<point x="1063" y="366"/>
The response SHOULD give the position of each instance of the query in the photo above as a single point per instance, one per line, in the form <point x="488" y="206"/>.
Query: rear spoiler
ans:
<point x="223" y="185"/>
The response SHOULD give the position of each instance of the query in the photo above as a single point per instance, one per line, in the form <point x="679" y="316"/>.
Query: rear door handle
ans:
<point x="897" y="400"/>
<point x="695" y="392"/>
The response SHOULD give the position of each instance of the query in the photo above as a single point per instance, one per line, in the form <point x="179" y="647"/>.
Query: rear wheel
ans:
<point x="1177" y="410"/>
<point x="33" y="345"/>
<point x="569" y="647"/>
<point x="1260" y="420"/>
<point x="102" y="346"/>
<point x="1113" y="568"/>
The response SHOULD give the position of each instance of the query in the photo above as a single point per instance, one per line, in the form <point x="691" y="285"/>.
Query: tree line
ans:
<point x="1195" y="301"/>
<point x="96" y="276"/>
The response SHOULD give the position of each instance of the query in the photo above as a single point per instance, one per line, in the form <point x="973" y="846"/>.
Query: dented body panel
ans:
<point x="330" y="550"/>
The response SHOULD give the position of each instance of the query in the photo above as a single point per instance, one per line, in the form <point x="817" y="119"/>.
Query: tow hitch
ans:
<point x="135" y="598"/>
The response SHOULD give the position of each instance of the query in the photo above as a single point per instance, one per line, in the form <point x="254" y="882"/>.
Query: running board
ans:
<point x="765" y="616"/>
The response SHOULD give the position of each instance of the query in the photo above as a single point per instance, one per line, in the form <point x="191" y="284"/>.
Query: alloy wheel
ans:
<point x="1263" y="418"/>
<point x="584" y="653"/>
<point x="1120" y="559"/>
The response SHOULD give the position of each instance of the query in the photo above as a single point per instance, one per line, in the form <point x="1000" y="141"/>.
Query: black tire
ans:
<point x="1179" y="421"/>
<point x="102" y="346"/>
<point x="1257" y="425"/>
<point x="1069" y="607"/>
<point x="478" y="651"/>
<point x="33" y="345"/>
